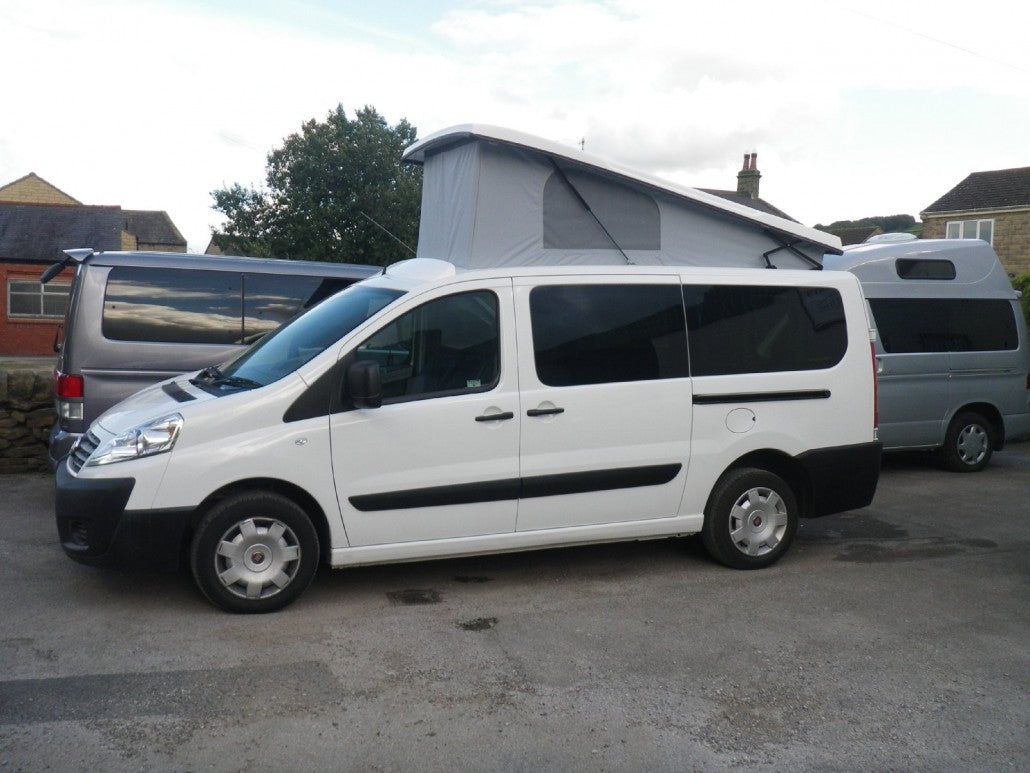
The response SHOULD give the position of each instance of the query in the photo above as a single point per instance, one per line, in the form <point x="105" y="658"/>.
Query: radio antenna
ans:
<point x="386" y="231"/>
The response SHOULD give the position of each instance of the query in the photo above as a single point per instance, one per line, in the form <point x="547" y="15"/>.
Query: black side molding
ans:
<point x="516" y="488"/>
<point x="762" y="397"/>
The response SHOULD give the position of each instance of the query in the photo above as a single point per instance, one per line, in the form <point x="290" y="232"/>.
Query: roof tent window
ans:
<point x="631" y="217"/>
<point x="912" y="268"/>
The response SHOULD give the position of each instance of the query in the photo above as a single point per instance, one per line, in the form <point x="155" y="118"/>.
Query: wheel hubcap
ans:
<point x="972" y="444"/>
<point x="257" y="558"/>
<point x="758" y="521"/>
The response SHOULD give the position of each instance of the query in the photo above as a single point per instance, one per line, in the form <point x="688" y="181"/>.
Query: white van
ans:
<point x="952" y="353"/>
<point x="428" y="413"/>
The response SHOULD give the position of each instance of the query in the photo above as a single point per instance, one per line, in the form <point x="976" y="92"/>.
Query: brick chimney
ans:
<point x="748" y="176"/>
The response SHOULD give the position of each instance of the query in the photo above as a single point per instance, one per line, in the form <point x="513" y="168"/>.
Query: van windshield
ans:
<point x="299" y="340"/>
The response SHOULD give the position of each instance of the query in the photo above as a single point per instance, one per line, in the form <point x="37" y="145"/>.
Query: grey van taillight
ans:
<point x="69" y="389"/>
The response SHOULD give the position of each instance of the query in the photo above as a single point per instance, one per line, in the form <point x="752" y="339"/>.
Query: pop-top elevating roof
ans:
<point x="495" y="196"/>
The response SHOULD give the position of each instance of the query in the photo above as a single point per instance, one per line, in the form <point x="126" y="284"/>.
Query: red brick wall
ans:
<point x="21" y="335"/>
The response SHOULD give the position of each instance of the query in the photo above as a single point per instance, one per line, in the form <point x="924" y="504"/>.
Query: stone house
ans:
<point x="37" y="222"/>
<point x="993" y="206"/>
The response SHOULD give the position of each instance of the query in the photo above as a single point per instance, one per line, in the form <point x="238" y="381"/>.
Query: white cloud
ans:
<point x="854" y="110"/>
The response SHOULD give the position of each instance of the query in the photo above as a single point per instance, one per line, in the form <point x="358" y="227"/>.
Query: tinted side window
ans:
<point x="944" y="324"/>
<point x="172" y="305"/>
<point x="270" y="300"/>
<point x="748" y="329"/>
<point x="593" y="334"/>
<point x="447" y="346"/>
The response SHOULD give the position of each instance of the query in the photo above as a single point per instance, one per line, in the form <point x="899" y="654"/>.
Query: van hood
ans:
<point x="152" y="402"/>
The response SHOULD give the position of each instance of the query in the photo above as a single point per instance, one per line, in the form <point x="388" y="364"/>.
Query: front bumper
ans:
<point x="60" y="445"/>
<point x="95" y="528"/>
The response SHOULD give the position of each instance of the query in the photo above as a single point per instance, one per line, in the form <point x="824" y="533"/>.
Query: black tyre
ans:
<point x="751" y="519"/>
<point x="254" y="552"/>
<point x="969" y="443"/>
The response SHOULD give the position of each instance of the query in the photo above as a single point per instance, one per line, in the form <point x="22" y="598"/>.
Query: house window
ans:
<point x="29" y="298"/>
<point x="971" y="229"/>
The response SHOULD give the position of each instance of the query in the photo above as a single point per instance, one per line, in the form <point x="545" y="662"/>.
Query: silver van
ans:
<point x="135" y="318"/>
<point x="952" y="353"/>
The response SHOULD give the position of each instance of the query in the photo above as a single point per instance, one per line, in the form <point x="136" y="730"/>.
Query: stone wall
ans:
<point x="26" y="415"/>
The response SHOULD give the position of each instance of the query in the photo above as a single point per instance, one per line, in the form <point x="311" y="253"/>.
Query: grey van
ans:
<point x="135" y="318"/>
<point x="952" y="355"/>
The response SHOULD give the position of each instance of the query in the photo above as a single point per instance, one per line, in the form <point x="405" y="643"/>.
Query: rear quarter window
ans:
<point x="758" y="329"/>
<point x="910" y="325"/>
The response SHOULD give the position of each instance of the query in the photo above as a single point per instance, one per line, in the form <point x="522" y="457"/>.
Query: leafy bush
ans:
<point x="1022" y="283"/>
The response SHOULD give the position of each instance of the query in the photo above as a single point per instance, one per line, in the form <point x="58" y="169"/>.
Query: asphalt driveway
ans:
<point x="894" y="637"/>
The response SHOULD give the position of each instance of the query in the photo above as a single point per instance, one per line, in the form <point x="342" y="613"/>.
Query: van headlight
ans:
<point x="154" y="437"/>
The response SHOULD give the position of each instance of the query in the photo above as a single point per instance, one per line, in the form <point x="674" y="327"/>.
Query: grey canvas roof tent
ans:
<point x="496" y="197"/>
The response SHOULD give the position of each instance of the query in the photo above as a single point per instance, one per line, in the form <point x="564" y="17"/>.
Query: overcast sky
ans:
<point x="858" y="108"/>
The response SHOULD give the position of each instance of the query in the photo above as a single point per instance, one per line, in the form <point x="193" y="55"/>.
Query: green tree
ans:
<point x="325" y="187"/>
<point x="889" y="223"/>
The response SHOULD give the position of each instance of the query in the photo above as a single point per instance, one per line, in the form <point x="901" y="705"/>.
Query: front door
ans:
<point x="439" y="458"/>
<point x="606" y="400"/>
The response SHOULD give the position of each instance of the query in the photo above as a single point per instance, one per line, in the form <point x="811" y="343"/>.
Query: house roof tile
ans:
<point x="998" y="189"/>
<point x="37" y="233"/>
<point x="152" y="227"/>
<point x="742" y="198"/>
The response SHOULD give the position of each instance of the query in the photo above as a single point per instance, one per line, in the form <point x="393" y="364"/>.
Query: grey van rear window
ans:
<point x="756" y="329"/>
<point x="204" y="307"/>
<point x="908" y="325"/>
<point x="921" y="268"/>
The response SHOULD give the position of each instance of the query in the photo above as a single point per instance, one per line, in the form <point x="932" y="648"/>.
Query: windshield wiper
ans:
<point x="235" y="381"/>
<point x="207" y="375"/>
<point x="212" y="376"/>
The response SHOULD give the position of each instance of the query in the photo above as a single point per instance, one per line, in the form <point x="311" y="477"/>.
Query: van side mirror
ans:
<point x="365" y="384"/>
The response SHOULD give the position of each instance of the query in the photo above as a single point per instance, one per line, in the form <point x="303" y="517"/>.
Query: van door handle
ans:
<point x="544" y="411"/>
<point x="496" y="416"/>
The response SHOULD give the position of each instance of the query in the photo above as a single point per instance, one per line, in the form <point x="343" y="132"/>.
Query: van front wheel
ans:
<point x="751" y="519"/>
<point x="969" y="443"/>
<point x="254" y="552"/>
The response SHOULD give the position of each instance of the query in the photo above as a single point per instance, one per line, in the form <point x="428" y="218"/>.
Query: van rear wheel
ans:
<point x="254" y="552"/>
<point x="751" y="519"/>
<point x="969" y="443"/>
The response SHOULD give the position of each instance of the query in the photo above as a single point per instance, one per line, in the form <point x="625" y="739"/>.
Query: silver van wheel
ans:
<point x="751" y="519"/>
<point x="254" y="552"/>
<point x="758" y="521"/>
<point x="257" y="558"/>
<point x="968" y="443"/>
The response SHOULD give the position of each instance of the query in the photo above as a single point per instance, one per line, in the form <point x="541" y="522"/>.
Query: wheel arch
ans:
<point x="290" y="491"/>
<point x="989" y="412"/>
<point x="779" y="463"/>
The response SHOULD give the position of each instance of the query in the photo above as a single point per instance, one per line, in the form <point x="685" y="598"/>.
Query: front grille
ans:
<point x="81" y="451"/>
